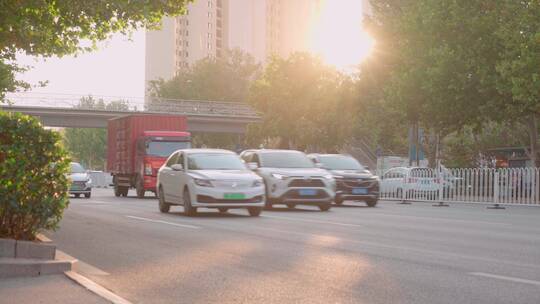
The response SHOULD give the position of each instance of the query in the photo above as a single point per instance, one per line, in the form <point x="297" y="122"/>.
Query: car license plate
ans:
<point x="234" y="196"/>
<point x="307" y="192"/>
<point x="360" y="191"/>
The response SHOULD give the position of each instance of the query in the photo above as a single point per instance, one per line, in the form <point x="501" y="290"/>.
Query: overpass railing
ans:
<point x="133" y="104"/>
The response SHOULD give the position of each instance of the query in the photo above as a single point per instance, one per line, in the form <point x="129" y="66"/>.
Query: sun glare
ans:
<point x="337" y="34"/>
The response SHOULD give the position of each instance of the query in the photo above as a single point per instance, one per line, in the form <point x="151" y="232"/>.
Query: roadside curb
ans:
<point x="96" y="288"/>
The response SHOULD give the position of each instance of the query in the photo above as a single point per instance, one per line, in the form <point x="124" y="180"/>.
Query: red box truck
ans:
<point x="137" y="147"/>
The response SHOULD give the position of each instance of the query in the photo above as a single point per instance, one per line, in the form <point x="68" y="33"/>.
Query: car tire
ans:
<point x="189" y="210"/>
<point x="88" y="195"/>
<point x="325" y="207"/>
<point x="164" y="207"/>
<point x="140" y="188"/>
<point x="223" y="210"/>
<point x="291" y="206"/>
<point x="254" y="211"/>
<point x="371" y="203"/>
<point x="77" y="195"/>
<point x="338" y="200"/>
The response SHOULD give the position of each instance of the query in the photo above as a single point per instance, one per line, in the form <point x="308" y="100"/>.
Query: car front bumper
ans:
<point x="211" y="197"/>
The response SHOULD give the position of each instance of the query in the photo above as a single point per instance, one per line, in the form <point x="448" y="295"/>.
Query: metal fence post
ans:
<point x="404" y="193"/>
<point x="496" y="190"/>
<point x="441" y="190"/>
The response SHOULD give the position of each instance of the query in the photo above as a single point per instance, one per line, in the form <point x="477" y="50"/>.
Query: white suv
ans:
<point x="209" y="178"/>
<point x="291" y="178"/>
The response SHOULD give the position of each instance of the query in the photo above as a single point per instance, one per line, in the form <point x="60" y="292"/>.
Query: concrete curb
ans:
<point x="96" y="288"/>
<point x="11" y="267"/>
<point x="27" y="258"/>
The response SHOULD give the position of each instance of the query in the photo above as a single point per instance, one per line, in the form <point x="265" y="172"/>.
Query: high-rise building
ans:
<point x="289" y="25"/>
<point x="183" y="40"/>
<point x="259" y="27"/>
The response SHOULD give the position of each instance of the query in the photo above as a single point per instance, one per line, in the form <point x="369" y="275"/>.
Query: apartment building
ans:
<point x="183" y="40"/>
<point x="259" y="27"/>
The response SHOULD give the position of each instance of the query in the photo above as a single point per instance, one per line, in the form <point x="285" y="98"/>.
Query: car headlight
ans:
<point x="328" y="176"/>
<point x="202" y="182"/>
<point x="257" y="183"/>
<point x="279" y="176"/>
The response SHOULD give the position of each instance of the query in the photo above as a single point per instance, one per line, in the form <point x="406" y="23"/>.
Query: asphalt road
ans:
<point x="389" y="254"/>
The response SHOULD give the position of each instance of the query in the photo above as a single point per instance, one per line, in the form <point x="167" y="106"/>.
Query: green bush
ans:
<point x="33" y="182"/>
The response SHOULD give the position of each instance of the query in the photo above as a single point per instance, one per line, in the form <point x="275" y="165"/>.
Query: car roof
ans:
<point x="330" y="154"/>
<point x="272" y="151"/>
<point x="206" y="151"/>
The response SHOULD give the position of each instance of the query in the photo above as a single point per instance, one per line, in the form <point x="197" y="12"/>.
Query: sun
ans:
<point x="337" y="34"/>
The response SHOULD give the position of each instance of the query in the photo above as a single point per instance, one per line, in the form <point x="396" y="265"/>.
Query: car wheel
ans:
<point x="223" y="210"/>
<point x="254" y="211"/>
<point x="291" y="206"/>
<point x="87" y="195"/>
<point x="338" y="200"/>
<point x="77" y="195"/>
<point x="371" y="203"/>
<point x="140" y="188"/>
<point x="324" y="207"/>
<point x="164" y="207"/>
<point x="188" y="209"/>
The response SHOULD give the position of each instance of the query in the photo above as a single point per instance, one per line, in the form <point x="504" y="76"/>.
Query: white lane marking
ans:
<point x="96" y="288"/>
<point x="162" y="222"/>
<point x="296" y="219"/>
<point x="505" y="278"/>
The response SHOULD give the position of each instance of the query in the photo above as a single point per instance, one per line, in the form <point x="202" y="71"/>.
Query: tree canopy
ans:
<point x="48" y="28"/>
<point x="305" y="103"/>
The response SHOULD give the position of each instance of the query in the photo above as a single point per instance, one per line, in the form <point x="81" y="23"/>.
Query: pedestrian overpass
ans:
<point x="67" y="111"/>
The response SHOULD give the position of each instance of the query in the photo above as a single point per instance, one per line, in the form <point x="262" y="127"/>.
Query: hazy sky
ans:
<point x="116" y="69"/>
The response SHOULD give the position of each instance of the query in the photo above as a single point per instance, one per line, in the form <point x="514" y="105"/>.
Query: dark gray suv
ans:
<point x="353" y="181"/>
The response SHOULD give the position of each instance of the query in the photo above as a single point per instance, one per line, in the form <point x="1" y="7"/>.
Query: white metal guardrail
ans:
<point x="511" y="186"/>
<point x="100" y="179"/>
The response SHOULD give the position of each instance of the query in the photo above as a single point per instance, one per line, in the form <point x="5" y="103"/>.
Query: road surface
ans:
<point x="353" y="254"/>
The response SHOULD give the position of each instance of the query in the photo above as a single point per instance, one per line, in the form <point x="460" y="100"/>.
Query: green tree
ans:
<point x="225" y="78"/>
<point x="33" y="182"/>
<point x="88" y="145"/>
<point x="459" y="64"/>
<point x="305" y="104"/>
<point x="48" y="28"/>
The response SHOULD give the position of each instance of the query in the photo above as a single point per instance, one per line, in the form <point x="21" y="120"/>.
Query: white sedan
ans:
<point x="209" y="178"/>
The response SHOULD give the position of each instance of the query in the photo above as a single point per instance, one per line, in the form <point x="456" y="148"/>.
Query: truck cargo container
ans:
<point x="137" y="147"/>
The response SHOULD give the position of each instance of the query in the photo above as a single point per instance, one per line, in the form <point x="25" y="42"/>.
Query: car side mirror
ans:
<point x="177" y="167"/>
<point x="252" y="166"/>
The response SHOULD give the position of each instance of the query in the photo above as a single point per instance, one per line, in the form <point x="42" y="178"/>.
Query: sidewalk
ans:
<point x="45" y="289"/>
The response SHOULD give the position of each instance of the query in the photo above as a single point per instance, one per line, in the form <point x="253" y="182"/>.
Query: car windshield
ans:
<point x="215" y="161"/>
<point x="77" y="168"/>
<point x="285" y="160"/>
<point x="165" y="148"/>
<point x="340" y="162"/>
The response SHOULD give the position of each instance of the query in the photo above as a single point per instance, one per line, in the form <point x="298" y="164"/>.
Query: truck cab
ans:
<point x="153" y="149"/>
